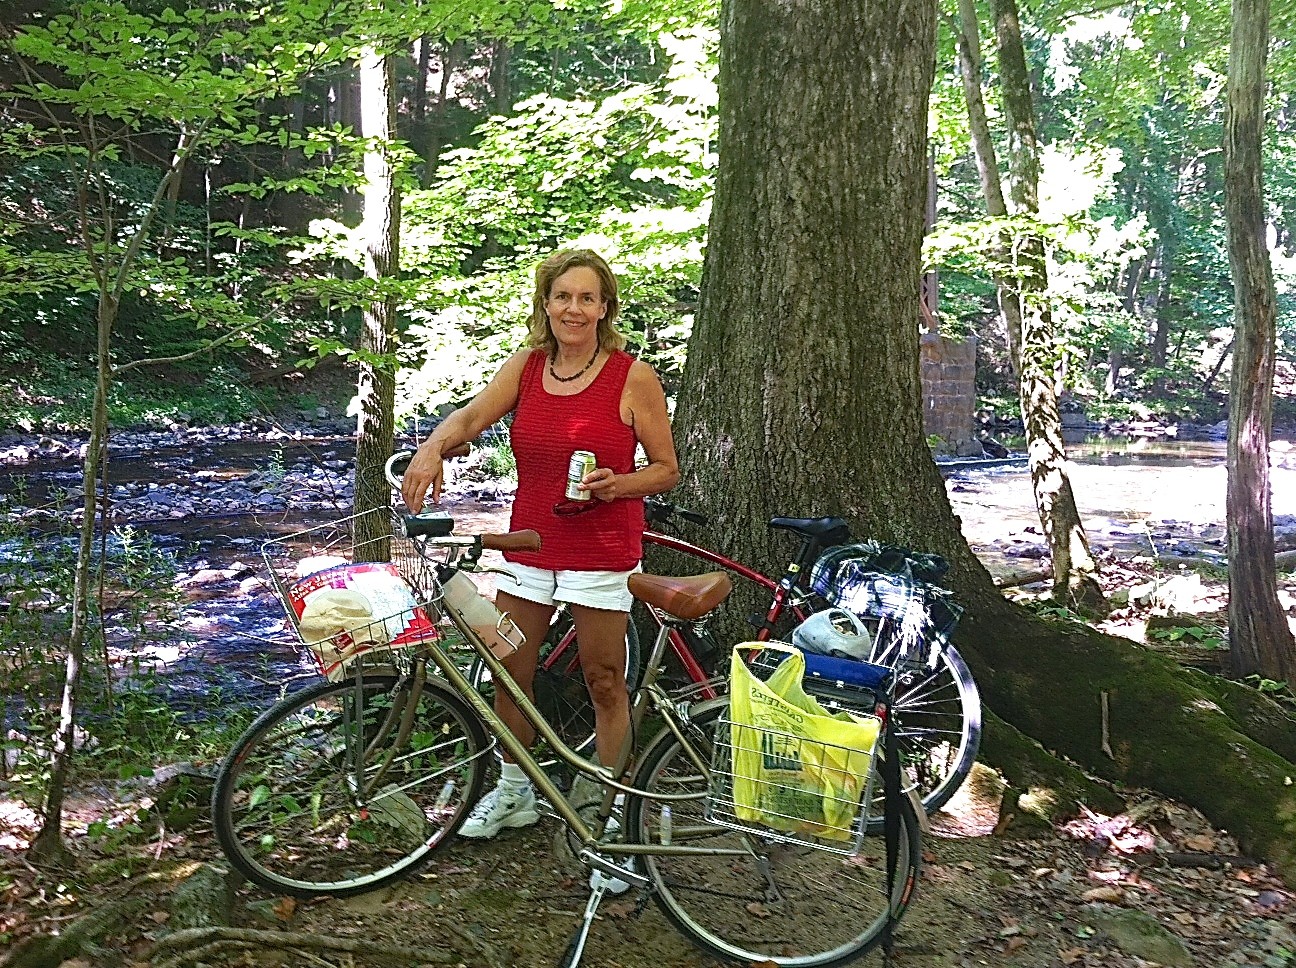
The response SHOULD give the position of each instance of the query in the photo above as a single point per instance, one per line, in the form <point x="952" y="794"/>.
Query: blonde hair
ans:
<point x="550" y="269"/>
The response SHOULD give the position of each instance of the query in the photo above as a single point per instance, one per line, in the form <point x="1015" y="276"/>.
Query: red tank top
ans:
<point x="546" y="429"/>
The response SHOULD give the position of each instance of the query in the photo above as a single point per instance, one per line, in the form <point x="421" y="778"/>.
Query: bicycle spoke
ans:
<point x="761" y="899"/>
<point x="313" y="801"/>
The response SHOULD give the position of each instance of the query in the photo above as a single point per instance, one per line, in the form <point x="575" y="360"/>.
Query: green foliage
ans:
<point x="498" y="461"/>
<point x="1210" y="637"/>
<point x="1278" y="691"/>
<point x="1048" y="609"/>
<point x="47" y="393"/>
<point x="627" y="175"/>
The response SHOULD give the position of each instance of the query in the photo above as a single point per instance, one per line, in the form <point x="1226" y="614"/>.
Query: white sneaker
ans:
<point x="612" y="883"/>
<point x="508" y="805"/>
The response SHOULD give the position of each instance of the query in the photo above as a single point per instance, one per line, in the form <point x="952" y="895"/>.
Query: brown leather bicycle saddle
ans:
<point x="687" y="598"/>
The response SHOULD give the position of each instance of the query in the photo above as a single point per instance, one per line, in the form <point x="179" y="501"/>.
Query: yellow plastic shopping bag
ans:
<point x="796" y="767"/>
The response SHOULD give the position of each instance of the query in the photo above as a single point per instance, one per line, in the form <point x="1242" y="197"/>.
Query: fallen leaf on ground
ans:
<point x="619" y="909"/>
<point x="1110" y="895"/>
<point x="285" y="909"/>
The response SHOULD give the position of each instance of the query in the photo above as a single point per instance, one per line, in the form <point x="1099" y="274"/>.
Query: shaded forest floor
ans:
<point x="1156" y="886"/>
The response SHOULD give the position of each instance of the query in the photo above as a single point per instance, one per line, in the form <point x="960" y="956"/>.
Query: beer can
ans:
<point x="582" y="463"/>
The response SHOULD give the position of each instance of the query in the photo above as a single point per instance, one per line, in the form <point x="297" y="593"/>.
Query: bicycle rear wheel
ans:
<point x="347" y="786"/>
<point x="769" y="902"/>
<point x="938" y="723"/>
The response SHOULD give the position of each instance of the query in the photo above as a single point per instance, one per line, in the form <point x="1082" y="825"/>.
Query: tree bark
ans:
<point x="1075" y="572"/>
<point x="1260" y="641"/>
<point x="376" y="389"/>
<point x="801" y="395"/>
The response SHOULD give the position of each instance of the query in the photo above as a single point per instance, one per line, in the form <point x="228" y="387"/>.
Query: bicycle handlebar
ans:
<point x="394" y="469"/>
<point x="436" y="529"/>
<point x="658" y="511"/>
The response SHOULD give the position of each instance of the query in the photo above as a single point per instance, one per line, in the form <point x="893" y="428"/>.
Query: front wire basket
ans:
<point x="331" y="555"/>
<point x="777" y="804"/>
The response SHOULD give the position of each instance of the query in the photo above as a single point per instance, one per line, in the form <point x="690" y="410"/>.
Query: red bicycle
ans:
<point x="936" y="704"/>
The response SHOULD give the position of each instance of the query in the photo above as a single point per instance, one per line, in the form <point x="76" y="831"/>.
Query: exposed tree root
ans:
<point x="50" y="951"/>
<point x="196" y="944"/>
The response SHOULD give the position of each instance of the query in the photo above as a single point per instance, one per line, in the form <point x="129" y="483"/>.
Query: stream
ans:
<point x="208" y="499"/>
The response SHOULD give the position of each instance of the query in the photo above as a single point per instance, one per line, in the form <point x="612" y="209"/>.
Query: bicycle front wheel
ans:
<point x="763" y="901"/>
<point x="938" y="723"/>
<point x="347" y="786"/>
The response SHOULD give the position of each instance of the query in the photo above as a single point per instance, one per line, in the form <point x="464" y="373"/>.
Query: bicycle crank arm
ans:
<point x="612" y="869"/>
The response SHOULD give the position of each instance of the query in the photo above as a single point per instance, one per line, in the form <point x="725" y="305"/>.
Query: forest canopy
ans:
<point x="525" y="125"/>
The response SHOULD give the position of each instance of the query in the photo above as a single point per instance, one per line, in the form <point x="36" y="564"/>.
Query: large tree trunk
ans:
<point x="1075" y="571"/>
<point x="801" y="395"/>
<point x="1260" y="642"/>
<point x="376" y="390"/>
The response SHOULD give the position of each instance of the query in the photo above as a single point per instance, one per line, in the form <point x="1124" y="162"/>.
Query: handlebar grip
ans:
<point x="658" y="511"/>
<point x="527" y="540"/>
<point x="426" y="525"/>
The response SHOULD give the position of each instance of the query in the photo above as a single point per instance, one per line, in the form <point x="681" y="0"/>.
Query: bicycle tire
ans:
<point x="291" y="815"/>
<point x="560" y="692"/>
<point x="831" y="909"/>
<point x="938" y="725"/>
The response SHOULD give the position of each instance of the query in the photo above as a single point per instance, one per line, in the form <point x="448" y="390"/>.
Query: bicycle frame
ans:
<point x="784" y="597"/>
<point x="650" y="695"/>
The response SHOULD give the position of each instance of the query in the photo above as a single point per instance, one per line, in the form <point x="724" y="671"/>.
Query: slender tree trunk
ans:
<point x="501" y="86"/>
<point x="348" y="95"/>
<point x="376" y="391"/>
<point x="48" y="846"/>
<point x="1074" y="569"/>
<point x="418" y="104"/>
<point x="1260" y="641"/>
<point x="111" y="265"/>
<point x="434" y="138"/>
<point x="969" y="48"/>
<point x="1158" y="354"/>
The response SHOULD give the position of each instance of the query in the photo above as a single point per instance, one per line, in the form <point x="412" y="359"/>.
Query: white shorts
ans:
<point x="596" y="589"/>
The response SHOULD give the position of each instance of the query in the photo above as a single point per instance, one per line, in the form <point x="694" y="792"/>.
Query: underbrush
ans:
<point x="53" y="395"/>
<point x="125" y="725"/>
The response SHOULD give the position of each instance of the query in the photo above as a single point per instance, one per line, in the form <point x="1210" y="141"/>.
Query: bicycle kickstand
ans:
<point x="576" y="947"/>
<point x="605" y="871"/>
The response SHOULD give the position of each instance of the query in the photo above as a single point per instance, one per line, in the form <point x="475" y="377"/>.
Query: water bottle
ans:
<point x="666" y="825"/>
<point x="494" y="628"/>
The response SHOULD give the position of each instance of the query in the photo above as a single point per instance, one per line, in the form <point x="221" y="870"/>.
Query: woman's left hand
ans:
<point x="603" y="483"/>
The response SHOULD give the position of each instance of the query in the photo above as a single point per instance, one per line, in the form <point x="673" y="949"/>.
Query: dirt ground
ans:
<point x="985" y="898"/>
<point x="1156" y="886"/>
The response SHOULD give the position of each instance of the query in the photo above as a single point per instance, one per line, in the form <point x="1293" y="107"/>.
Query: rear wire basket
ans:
<point x="388" y="636"/>
<point x="823" y="821"/>
<point x="835" y="824"/>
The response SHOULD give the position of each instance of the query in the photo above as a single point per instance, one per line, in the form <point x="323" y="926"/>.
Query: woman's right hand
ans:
<point x="424" y="477"/>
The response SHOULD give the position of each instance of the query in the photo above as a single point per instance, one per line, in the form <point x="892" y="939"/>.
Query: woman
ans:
<point x="573" y="388"/>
